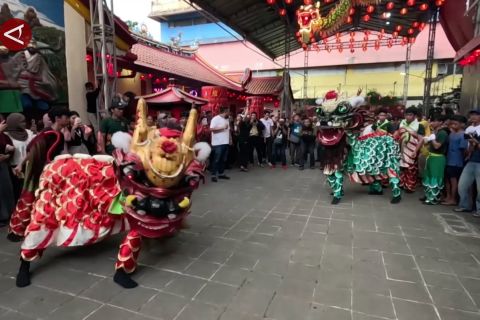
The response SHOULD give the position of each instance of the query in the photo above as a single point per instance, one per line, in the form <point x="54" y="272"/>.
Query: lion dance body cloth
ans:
<point x="410" y="138"/>
<point x="365" y="158"/>
<point x="143" y="190"/>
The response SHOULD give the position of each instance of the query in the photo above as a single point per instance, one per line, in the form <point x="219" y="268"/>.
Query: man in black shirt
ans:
<point x="92" y="97"/>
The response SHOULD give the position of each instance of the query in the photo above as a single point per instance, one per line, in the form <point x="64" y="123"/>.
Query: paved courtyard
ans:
<point x="268" y="245"/>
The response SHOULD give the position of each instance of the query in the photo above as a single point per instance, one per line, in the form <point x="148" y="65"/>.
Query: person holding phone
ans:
<point x="457" y="145"/>
<point x="76" y="135"/>
<point x="21" y="137"/>
<point x="471" y="171"/>
<point x="256" y="139"/>
<point x="280" y="134"/>
<point x="243" y="128"/>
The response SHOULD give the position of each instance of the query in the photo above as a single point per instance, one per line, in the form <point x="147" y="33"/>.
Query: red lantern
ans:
<point x="439" y="3"/>
<point x="349" y="19"/>
<point x="157" y="81"/>
<point x="410" y="31"/>
<point x="403" y="11"/>
<point x="410" y="3"/>
<point x="88" y="58"/>
<point x="307" y="2"/>
<point x="288" y="1"/>
<point x="351" y="12"/>
<point x="270" y="2"/>
<point x="142" y="77"/>
<point x="366" y="18"/>
<point x="370" y="9"/>
<point x="399" y="28"/>
<point x="415" y="24"/>
<point x="282" y="12"/>
<point x="423" y="7"/>
<point x="390" y="5"/>
<point x="150" y="76"/>
<point x="395" y="35"/>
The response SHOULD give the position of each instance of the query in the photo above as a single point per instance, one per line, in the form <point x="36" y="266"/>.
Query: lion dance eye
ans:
<point x="342" y="109"/>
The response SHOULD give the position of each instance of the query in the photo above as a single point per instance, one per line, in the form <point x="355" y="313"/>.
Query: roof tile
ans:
<point x="191" y="67"/>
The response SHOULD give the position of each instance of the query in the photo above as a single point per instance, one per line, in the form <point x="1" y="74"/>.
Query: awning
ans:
<point x="261" y="24"/>
<point x="458" y="27"/>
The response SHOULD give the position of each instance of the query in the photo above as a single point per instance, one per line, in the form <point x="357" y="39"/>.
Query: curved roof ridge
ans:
<point x="209" y="66"/>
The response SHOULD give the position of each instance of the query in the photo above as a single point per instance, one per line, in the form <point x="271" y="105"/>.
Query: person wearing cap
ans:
<point x="116" y="122"/>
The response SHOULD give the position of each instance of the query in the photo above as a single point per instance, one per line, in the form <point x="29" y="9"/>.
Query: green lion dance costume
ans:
<point x="367" y="158"/>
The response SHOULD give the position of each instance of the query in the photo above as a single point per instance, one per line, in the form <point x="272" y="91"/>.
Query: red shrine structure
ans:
<point x="172" y="100"/>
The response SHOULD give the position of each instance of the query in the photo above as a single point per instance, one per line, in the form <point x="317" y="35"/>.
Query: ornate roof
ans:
<point x="184" y="64"/>
<point x="173" y="95"/>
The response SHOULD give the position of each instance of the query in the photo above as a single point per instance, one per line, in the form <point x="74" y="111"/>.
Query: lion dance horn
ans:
<point x="140" y="135"/>
<point x="189" y="134"/>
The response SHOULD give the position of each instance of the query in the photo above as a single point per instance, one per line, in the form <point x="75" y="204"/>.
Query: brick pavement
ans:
<point x="267" y="245"/>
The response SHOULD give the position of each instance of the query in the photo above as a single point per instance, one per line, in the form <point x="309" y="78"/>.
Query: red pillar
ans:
<point x="256" y="104"/>
<point x="216" y="96"/>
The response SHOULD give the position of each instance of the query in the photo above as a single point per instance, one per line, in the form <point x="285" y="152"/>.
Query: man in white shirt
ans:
<point x="267" y="135"/>
<point x="220" y="128"/>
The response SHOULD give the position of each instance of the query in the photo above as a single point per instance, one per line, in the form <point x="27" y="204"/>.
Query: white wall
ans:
<point x="75" y="48"/>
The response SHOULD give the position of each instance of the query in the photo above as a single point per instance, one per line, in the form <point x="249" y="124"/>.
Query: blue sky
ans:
<point x="53" y="9"/>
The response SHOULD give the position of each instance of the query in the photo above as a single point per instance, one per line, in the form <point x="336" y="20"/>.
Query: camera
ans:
<point x="474" y="135"/>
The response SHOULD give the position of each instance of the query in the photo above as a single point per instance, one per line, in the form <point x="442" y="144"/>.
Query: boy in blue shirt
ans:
<point x="457" y="145"/>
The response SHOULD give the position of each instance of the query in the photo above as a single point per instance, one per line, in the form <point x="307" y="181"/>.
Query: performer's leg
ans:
<point x="23" y="276"/>
<point x="335" y="180"/>
<point x="127" y="259"/>
<point x="409" y="178"/>
<point x="375" y="188"/>
<point x="21" y="217"/>
<point x="433" y="180"/>
<point x="395" y="186"/>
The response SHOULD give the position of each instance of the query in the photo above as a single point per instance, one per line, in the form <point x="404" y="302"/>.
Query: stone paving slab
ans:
<point x="268" y="245"/>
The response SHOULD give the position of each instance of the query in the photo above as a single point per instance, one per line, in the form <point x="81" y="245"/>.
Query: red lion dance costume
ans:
<point x="144" y="190"/>
<point x="409" y="141"/>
